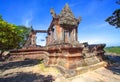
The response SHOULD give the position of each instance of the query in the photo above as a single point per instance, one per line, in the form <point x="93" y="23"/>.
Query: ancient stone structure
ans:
<point x="63" y="49"/>
<point x="63" y="28"/>
<point x="31" y="41"/>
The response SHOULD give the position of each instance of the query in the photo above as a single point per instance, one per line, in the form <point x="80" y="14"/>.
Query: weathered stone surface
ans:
<point x="62" y="48"/>
<point x="67" y="17"/>
<point x="91" y="60"/>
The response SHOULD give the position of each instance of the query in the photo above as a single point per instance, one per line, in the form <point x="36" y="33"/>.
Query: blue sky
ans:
<point x="92" y="29"/>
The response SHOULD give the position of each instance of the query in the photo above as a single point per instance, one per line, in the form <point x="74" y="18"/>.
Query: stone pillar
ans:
<point x="66" y="36"/>
<point x="46" y="41"/>
<point x="33" y="39"/>
<point x="73" y="35"/>
<point x="59" y="33"/>
<point x="50" y="36"/>
<point x="63" y="35"/>
<point x="76" y="34"/>
<point x="55" y="34"/>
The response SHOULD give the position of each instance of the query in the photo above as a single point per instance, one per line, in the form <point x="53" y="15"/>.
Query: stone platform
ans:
<point x="70" y="60"/>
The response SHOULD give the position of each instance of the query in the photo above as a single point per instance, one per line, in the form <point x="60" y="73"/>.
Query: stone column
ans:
<point x="76" y="34"/>
<point x="61" y="35"/>
<point x="62" y="38"/>
<point x="50" y="36"/>
<point x="55" y="34"/>
<point x="71" y="36"/>
<point x="46" y="41"/>
<point x="33" y="39"/>
<point x="66" y="36"/>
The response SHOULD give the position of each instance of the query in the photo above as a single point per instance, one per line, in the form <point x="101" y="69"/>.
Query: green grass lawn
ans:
<point x="113" y="49"/>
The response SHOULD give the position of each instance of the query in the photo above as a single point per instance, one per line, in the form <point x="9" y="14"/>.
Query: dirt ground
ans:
<point x="34" y="71"/>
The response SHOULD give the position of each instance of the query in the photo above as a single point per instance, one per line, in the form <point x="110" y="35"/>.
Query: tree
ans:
<point x="24" y="34"/>
<point x="114" y="20"/>
<point x="11" y="36"/>
<point x="118" y="2"/>
<point x="1" y="18"/>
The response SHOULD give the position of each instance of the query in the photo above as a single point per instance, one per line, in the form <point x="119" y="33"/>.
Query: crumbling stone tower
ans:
<point x="63" y="28"/>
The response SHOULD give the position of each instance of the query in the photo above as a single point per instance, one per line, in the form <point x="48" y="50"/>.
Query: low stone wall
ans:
<point x="21" y="55"/>
<point x="66" y="57"/>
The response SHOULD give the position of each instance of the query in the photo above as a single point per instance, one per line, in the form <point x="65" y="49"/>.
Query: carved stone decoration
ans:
<point x="53" y="13"/>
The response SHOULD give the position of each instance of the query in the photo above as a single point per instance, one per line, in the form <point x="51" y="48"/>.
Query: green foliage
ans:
<point x="113" y="50"/>
<point x="24" y="33"/>
<point x="1" y="18"/>
<point x="114" y="20"/>
<point x="11" y="36"/>
<point x="118" y="2"/>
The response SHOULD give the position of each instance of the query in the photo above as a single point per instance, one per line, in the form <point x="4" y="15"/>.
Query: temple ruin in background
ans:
<point x="62" y="49"/>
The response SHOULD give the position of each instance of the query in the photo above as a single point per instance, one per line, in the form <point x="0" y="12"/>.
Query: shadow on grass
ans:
<point x="114" y="62"/>
<point x="15" y="64"/>
<point x="27" y="77"/>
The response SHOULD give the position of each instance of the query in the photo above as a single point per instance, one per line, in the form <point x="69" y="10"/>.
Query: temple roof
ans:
<point x="66" y="12"/>
<point x="66" y="16"/>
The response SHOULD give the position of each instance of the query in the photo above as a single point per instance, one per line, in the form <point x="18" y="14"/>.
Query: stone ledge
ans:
<point x="81" y="70"/>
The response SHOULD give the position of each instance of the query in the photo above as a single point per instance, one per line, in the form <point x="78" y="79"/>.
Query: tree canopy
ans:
<point x="114" y="20"/>
<point x="12" y="36"/>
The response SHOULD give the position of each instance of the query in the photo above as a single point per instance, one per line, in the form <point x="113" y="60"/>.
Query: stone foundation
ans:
<point x="71" y="60"/>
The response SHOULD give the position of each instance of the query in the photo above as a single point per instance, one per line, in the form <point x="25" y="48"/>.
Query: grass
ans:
<point x="47" y="69"/>
<point x="113" y="49"/>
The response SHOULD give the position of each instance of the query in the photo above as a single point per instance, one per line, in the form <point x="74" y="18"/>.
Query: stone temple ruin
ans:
<point x="62" y="49"/>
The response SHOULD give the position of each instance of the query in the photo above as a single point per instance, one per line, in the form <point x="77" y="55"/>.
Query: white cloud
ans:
<point x="28" y="18"/>
<point x="98" y="33"/>
<point x="27" y="22"/>
<point x="92" y="40"/>
<point x="99" y="39"/>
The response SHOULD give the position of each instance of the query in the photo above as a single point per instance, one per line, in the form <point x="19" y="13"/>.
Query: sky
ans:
<point x="92" y="28"/>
